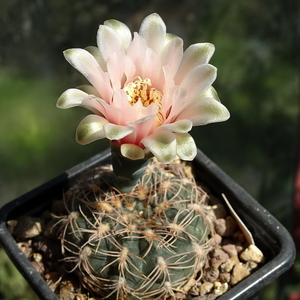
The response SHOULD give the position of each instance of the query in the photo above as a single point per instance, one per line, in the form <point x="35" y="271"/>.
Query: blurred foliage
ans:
<point x="37" y="138"/>
<point x="257" y="55"/>
<point x="12" y="284"/>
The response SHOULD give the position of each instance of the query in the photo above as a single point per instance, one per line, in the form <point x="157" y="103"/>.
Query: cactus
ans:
<point x="144" y="244"/>
<point x="140" y="231"/>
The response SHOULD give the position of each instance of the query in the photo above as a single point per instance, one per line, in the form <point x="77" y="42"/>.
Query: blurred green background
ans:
<point x="257" y="56"/>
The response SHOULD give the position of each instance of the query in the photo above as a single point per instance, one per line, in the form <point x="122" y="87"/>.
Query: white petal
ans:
<point x="153" y="30"/>
<point x="108" y="41"/>
<point x="181" y="126"/>
<point x="162" y="145"/>
<point x="129" y="70"/>
<point x="87" y="65"/>
<point x="97" y="54"/>
<point x="90" y="129"/>
<point x="173" y="103"/>
<point x="120" y="101"/>
<point x="211" y="93"/>
<point x="89" y="89"/>
<point x="170" y="36"/>
<point x="186" y="147"/>
<point x="136" y="52"/>
<point x="132" y="151"/>
<point x="171" y="54"/>
<point x="74" y="97"/>
<point x="198" y="80"/>
<point x="151" y="68"/>
<point x="117" y="132"/>
<point x="204" y="111"/>
<point x="117" y="76"/>
<point x="194" y="55"/>
<point x="143" y="127"/>
<point x="122" y="30"/>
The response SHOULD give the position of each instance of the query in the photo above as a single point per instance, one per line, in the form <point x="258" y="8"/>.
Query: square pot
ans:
<point x="269" y="235"/>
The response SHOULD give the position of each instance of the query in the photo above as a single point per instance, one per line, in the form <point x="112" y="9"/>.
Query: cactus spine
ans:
<point x="144" y="244"/>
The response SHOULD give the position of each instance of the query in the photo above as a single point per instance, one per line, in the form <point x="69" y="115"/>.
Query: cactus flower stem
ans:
<point x="127" y="172"/>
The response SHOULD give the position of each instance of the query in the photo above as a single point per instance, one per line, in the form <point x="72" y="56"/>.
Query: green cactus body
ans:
<point x="145" y="244"/>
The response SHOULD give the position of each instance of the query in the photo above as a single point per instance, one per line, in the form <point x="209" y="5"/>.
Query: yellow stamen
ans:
<point x="139" y="90"/>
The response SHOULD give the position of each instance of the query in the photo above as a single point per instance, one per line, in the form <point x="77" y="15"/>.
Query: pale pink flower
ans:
<point x="146" y="93"/>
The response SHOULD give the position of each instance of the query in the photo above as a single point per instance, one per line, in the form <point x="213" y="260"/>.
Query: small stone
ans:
<point x="230" y="249"/>
<point x="225" y="227"/>
<point x="239" y="248"/>
<point x="178" y="295"/>
<point x="215" y="240"/>
<point x="11" y="225"/>
<point x="37" y="257"/>
<point x="67" y="290"/>
<point x="205" y="288"/>
<point x="220" y="226"/>
<point x="211" y="274"/>
<point x="218" y="257"/>
<point x="27" y="227"/>
<point x="224" y="277"/>
<point x="188" y="286"/>
<point x="228" y="265"/>
<point x="231" y="226"/>
<point x="239" y="273"/>
<point x="251" y="265"/>
<point x="220" y="288"/>
<point x="252" y="253"/>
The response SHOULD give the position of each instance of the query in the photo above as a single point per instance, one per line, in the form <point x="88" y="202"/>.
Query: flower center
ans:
<point x="139" y="90"/>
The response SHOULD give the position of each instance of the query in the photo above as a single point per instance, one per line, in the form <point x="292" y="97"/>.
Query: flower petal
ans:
<point x="108" y="41"/>
<point x="90" y="129"/>
<point x="89" y="89"/>
<point x="170" y="36"/>
<point x="180" y="126"/>
<point x="75" y="97"/>
<point x="117" y="76"/>
<point x="153" y="30"/>
<point x="198" y="80"/>
<point x="143" y="127"/>
<point x="204" y="111"/>
<point x="136" y="52"/>
<point x="211" y="93"/>
<point x="194" y="55"/>
<point x="117" y="132"/>
<point x="111" y="113"/>
<point x="120" y="101"/>
<point x="151" y="68"/>
<point x="173" y="102"/>
<point x="87" y="65"/>
<point x="186" y="147"/>
<point x="162" y="145"/>
<point x="98" y="56"/>
<point x="171" y="54"/>
<point x="122" y="30"/>
<point x="132" y="151"/>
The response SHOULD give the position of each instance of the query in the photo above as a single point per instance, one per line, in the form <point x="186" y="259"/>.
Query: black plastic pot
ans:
<point x="269" y="235"/>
